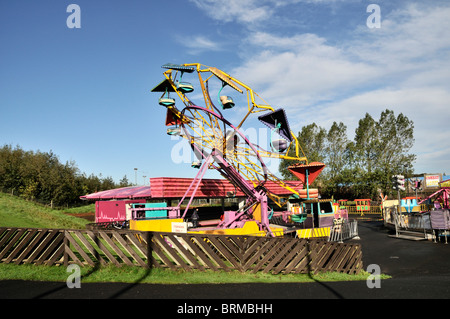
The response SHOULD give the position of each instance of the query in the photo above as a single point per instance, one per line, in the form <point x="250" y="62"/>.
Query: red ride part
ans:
<point x="312" y="170"/>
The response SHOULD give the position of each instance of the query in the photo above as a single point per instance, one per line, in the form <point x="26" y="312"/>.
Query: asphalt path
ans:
<point x="419" y="270"/>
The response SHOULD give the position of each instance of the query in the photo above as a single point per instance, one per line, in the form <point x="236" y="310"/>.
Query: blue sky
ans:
<point x="84" y="93"/>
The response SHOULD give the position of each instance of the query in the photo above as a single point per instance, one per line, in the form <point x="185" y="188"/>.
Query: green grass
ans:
<point x="130" y="274"/>
<point x="17" y="212"/>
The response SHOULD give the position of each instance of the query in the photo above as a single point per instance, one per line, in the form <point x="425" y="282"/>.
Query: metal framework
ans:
<point x="219" y="144"/>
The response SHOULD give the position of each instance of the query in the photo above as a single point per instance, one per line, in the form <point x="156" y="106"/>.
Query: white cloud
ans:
<point x="242" y="11"/>
<point x="301" y="70"/>
<point x="403" y="66"/>
<point x="198" y="43"/>
<point x="249" y="12"/>
<point x="406" y="37"/>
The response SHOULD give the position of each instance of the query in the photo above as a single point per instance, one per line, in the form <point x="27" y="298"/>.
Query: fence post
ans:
<point x="66" y="255"/>
<point x="148" y="240"/>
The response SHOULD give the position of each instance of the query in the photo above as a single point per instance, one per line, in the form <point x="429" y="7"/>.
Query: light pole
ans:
<point x="135" y="176"/>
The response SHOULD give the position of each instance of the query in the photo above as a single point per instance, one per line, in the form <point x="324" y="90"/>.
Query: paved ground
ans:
<point x="418" y="269"/>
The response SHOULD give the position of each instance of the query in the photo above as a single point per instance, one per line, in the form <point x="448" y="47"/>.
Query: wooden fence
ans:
<point x="177" y="251"/>
<point x="31" y="246"/>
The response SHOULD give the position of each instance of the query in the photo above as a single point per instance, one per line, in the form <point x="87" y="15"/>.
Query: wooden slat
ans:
<point x="3" y="231"/>
<point x="42" y="245"/>
<point x="14" y="236"/>
<point x="175" y="251"/>
<point x="161" y="241"/>
<point x="252" y="244"/>
<point x="321" y="255"/>
<point x="53" y="245"/>
<point x="301" y="261"/>
<point x="24" y="241"/>
<point x="341" y="254"/>
<point x="232" y="243"/>
<point x="71" y="255"/>
<point x="315" y="249"/>
<point x="7" y="234"/>
<point x="201" y="255"/>
<point x="354" y="264"/>
<point x="30" y="246"/>
<point x="281" y="256"/>
<point x="264" y="246"/>
<point x="276" y="245"/>
<point x="59" y="253"/>
<point x="118" y="237"/>
<point x="95" y="254"/>
<point x="102" y="247"/>
<point x="296" y="249"/>
<point x="203" y="244"/>
<point x="78" y="248"/>
<point x="215" y="240"/>
<point x="144" y="248"/>
<point x="116" y="249"/>
<point x="154" y="246"/>
<point x="175" y="239"/>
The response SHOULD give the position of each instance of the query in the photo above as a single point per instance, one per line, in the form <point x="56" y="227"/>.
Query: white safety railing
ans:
<point x="343" y="230"/>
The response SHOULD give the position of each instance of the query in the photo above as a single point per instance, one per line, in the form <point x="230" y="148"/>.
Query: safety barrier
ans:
<point x="370" y="210"/>
<point x="177" y="251"/>
<point x="347" y="229"/>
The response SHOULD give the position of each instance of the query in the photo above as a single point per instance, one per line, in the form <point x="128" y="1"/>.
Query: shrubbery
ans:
<point x="40" y="176"/>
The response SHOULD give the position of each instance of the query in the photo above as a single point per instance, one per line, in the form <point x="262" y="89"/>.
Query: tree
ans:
<point x="380" y="150"/>
<point x="365" y="165"/>
<point x="396" y="140"/>
<point x="336" y="149"/>
<point x="312" y="140"/>
<point x="108" y="183"/>
<point x="41" y="176"/>
<point x="337" y="159"/>
<point x="124" y="182"/>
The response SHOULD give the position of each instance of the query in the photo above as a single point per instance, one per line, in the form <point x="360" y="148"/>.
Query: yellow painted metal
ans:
<point x="250" y="228"/>
<point x="155" y="225"/>
<point x="313" y="232"/>
<point x="225" y="78"/>
<point x="257" y="212"/>
<point x="253" y="107"/>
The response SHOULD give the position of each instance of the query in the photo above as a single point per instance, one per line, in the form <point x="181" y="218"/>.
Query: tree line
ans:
<point x="40" y="176"/>
<point x="362" y="167"/>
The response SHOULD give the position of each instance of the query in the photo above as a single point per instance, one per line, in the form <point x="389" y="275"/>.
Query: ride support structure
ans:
<point x="219" y="144"/>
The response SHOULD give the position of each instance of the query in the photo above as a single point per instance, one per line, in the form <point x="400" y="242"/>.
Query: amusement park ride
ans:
<point x="219" y="144"/>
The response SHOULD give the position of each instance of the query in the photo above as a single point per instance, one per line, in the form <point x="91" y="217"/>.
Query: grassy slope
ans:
<point x="17" y="212"/>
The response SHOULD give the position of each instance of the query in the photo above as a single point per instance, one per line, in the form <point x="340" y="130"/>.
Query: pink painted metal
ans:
<point x="110" y="211"/>
<point x="120" y="193"/>
<point x="442" y="196"/>
<point x="175" y="187"/>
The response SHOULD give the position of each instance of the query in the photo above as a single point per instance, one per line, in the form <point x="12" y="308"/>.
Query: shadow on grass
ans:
<point x="97" y="267"/>
<point x="311" y="271"/>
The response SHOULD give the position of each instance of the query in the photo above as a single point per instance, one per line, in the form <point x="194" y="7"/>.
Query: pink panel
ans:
<point x="109" y="211"/>
<point x="169" y="187"/>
